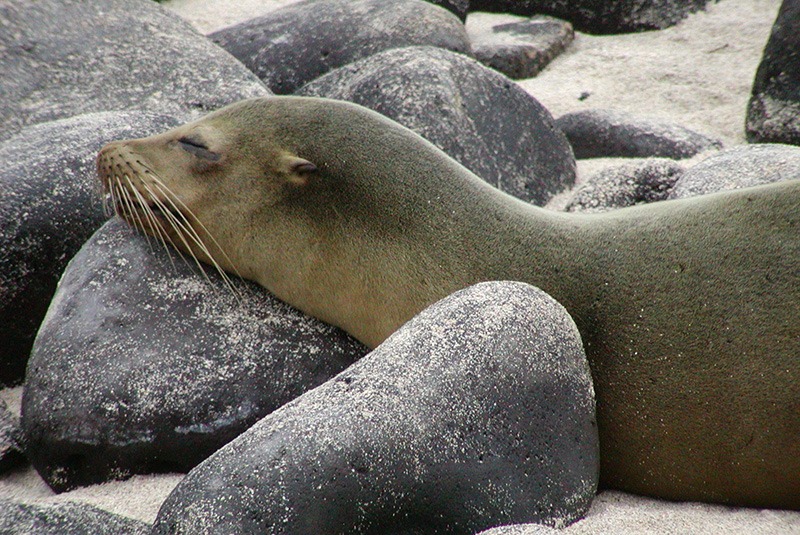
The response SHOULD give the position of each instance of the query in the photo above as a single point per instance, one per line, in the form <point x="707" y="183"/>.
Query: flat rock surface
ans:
<point x="477" y="412"/>
<point x="517" y="47"/>
<point x="143" y="366"/>
<point x="66" y="57"/>
<point x="476" y="115"/>
<point x="294" y="45"/>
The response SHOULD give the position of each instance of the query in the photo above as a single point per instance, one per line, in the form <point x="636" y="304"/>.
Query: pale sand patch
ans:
<point x="697" y="74"/>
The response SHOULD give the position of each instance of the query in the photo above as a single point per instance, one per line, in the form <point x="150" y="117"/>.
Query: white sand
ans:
<point x="697" y="74"/>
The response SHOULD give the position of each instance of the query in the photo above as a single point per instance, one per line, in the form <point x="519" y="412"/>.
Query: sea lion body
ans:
<point x="688" y="309"/>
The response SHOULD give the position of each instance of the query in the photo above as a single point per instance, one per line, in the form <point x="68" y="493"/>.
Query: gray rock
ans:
<point x="773" y="113"/>
<point x="626" y="185"/>
<point x="739" y="167"/>
<point x="64" y="519"/>
<point x="476" y="413"/>
<point x="61" y="58"/>
<point x="11" y="449"/>
<point x="592" y="16"/>
<point x="300" y="42"/>
<point x="518" y="49"/>
<point x="49" y="206"/>
<point x="476" y="115"/>
<point x="605" y="133"/>
<point x="143" y="366"/>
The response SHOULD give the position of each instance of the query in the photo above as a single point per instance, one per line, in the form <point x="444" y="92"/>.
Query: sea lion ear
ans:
<point x="299" y="170"/>
<point x="303" y="167"/>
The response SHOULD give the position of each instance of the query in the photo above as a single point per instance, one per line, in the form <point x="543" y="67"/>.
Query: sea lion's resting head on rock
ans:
<point x="688" y="309"/>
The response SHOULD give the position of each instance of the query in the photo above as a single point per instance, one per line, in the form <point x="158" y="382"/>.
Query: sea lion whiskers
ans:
<point x="184" y="229"/>
<point x="186" y="234"/>
<point x="152" y="223"/>
<point x="128" y="208"/>
<point x="175" y="201"/>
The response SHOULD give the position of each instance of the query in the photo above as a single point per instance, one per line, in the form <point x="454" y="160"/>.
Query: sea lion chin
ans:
<point x="688" y="309"/>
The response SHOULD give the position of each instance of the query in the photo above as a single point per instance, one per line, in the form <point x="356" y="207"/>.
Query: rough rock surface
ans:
<point x="300" y="42"/>
<point x="49" y="206"/>
<point x="626" y="185"/>
<point x="739" y="167"/>
<point x="476" y="413"/>
<point x="11" y="450"/>
<point x="605" y="133"/>
<point x="592" y="16"/>
<point x="476" y="115"/>
<point x="517" y="48"/>
<point x="64" y="519"/>
<point x="141" y="366"/>
<point x="773" y="114"/>
<point x="61" y="58"/>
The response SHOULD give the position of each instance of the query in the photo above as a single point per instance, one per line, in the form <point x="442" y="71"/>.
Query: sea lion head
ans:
<point x="293" y="193"/>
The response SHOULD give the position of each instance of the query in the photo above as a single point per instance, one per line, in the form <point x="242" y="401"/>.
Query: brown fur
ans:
<point x="689" y="310"/>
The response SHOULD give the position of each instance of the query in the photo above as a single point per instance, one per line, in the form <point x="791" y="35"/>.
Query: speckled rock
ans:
<point x="141" y="366"/>
<point x="476" y="413"/>
<point x="11" y="450"/>
<point x="626" y="185"/>
<point x="773" y="113"/>
<point x="300" y="42"/>
<point x="604" y="133"/>
<point x="61" y="58"/>
<point x="49" y="206"/>
<point x="64" y="519"/>
<point x="739" y="167"/>
<point x="591" y="16"/>
<point x="517" y="47"/>
<point x="476" y="115"/>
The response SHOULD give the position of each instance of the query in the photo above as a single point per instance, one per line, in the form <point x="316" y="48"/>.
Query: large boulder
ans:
<point x="61" y="58"/>
<point x="142" y="365"/>
<point x="476" y="413"/>
<point x="593" y="16"/>
<point x="300" y="42"/>
<point x="49" y="206"/>
<point x="479" y="117"/>
<point x="773" y="114"/>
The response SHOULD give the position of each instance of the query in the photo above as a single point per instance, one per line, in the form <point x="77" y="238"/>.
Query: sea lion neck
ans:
<point x="395" y="226"/>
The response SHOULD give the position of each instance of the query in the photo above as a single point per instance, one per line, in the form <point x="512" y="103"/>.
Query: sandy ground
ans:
<point x="697" y="74"/>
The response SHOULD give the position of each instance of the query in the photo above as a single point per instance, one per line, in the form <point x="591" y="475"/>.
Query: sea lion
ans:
<point x="688" y="309"/>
